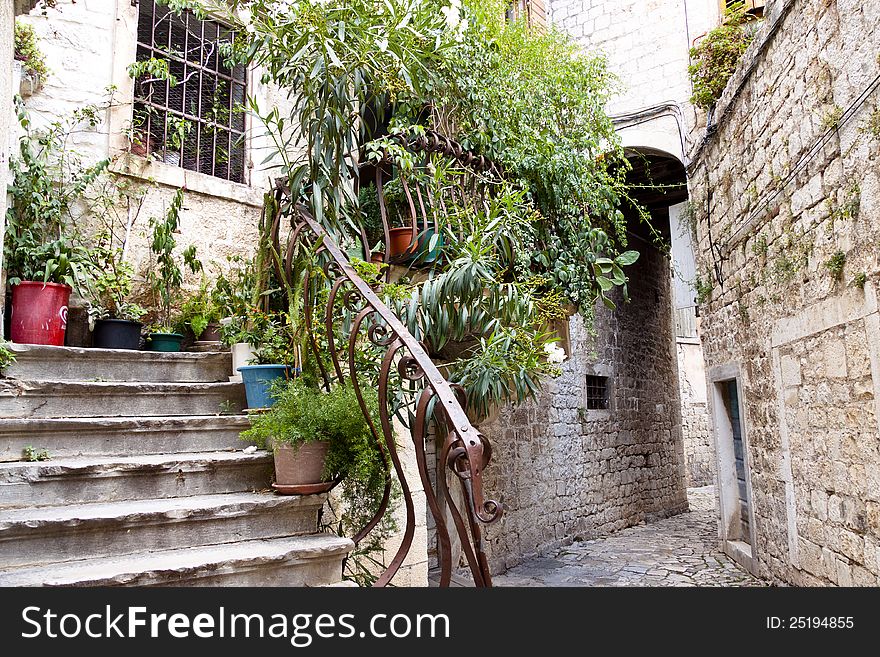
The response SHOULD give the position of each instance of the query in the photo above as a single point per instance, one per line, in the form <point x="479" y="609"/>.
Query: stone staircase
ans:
<point x="147" y="482"/>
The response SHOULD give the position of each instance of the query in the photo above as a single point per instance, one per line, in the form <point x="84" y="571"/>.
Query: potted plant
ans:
<point x="233" y="294"/>
<point x="318" y="438"/>
<point x="44" y="257"/>
<point x="166" y="277"/>
<point x="201" y="315"/>
<point x="115" y="321"/>
<point x="29" y="60"/>
<point x="274" y="357"/>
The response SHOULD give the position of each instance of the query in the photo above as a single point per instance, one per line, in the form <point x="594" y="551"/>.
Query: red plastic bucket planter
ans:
<point x="39" y="313"/>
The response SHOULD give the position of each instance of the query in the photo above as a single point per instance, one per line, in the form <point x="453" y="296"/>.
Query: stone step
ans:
<point x="45" y="399"/>
<point x="109" y="436"/>
<point x="47" y="363"/>
<point x="295" y="561"/>
<point x="64" y="533"/>
<point x="110" y="479"/>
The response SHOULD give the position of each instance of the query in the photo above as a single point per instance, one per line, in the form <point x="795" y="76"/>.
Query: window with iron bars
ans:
<point x="597" y="393"/>
<point x="192" y="117"/>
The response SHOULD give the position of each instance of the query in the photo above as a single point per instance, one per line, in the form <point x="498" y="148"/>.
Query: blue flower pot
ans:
<point x="258" y="378"/>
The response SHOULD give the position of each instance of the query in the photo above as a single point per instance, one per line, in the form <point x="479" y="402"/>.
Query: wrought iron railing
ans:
<point x="348" y="315"/>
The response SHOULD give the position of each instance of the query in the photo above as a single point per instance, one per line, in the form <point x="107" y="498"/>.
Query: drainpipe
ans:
<point x="7" y="21"/>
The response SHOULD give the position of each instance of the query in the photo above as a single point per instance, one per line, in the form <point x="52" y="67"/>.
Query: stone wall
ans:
<point x="787" y="191"/>
<point x="566" y="473"/>
<point x="646" y="43"/>
<point x="699" y="450"/>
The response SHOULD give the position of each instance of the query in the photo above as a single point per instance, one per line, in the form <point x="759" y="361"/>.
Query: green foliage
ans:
<point x="715" y="58"/>
<point x="27" y="50"/>
<point x="835" y="265"/>
<point x="110" y="284"/>
<point x="872" y="126"/>
<point x="49" y="185"/>
<point x="199" y="310"/>
<point x="31" y="453"/>
<point x="303" y="414"/>
<point x="7" y="356"/>
<point x="530" y="100"/>
<point x="153" y="69"/>
<point x="859" y="280"/>
<point x="703" y="287"/>
<point x="166" y="277"/>
<point x="831" y="119"/>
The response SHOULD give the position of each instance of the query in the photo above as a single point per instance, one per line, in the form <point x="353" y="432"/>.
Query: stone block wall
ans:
<point x="699" y="448"/>
<point x="786" y="188"/>
<point x="566" y="473"/>
<point x="646" y="43"/>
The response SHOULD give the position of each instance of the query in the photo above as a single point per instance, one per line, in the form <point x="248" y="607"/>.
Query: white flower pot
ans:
<point x="242" y="354"/>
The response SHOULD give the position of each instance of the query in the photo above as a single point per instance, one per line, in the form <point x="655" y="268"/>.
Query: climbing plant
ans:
<point x="715" y="58"/>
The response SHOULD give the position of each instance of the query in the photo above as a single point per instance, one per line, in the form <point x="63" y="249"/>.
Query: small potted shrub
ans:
<point x="166" y="277"/>
<point x="274" y="357"/>
<point x="30" y="59"/>
<point x="201" y="315"/>
<point x="115" y="321"/>
<point x="318" y="438"/>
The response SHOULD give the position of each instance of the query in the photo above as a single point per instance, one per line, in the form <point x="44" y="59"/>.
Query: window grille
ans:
<point x="597" y="393"/>
<point x="194" y="121"/>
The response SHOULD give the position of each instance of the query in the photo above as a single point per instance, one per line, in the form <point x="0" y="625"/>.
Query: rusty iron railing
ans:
<point x="353" y="316"/>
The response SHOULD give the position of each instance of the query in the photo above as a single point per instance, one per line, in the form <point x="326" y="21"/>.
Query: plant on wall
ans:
<point x="715" y="58"/>
<point x="27" y="50"/>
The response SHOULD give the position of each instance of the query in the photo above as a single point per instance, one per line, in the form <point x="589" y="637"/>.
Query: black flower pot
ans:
<point x="117" y="334"/>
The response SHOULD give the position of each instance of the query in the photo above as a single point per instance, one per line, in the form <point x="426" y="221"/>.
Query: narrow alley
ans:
<point x="678" y="551"/>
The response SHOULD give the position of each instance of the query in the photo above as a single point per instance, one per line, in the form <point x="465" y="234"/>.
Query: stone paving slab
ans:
<point x="678" y="551"/>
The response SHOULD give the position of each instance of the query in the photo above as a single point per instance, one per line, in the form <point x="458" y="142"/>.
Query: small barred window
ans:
<point x="188" y="102"/>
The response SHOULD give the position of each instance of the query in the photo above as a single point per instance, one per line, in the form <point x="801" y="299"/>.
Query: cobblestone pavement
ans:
<point x="677" y="551"/>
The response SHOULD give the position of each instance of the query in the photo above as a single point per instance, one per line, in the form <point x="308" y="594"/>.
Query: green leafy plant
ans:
<point x="835" y="265"/>
<point x="715" y="58"/>
<point x="31" y="453"/>
<point x="49" y="180"/>
<point x="303" y="414"/>
<point x="27" y="50"/>
<point x="7" y="356"/>
<point x="110" y="284"/>
<point x="703" y="287"/>
<point x="199" y="310"/>
<point x="831" y="119"/>
<point x="166" y="278"/>
<point x="859" y="280"/>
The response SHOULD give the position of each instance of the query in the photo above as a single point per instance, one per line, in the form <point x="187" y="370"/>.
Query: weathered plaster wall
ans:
<point x="564" y="473"/>
<point x="786" y="180"/>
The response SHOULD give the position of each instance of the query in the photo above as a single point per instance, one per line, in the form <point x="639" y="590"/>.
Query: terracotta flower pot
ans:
<point x="402" y="242"/>
<point x="298" y="469"/>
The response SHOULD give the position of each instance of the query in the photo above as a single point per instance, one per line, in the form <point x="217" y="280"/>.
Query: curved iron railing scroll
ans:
<point x="352" y="315"/>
